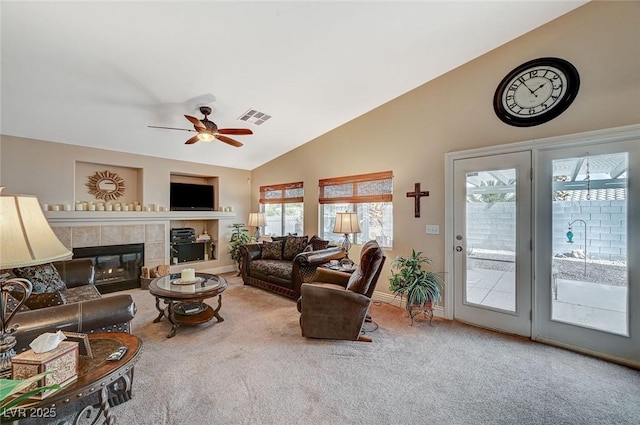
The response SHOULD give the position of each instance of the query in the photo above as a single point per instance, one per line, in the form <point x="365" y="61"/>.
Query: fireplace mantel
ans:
<point x="133" y="216"/>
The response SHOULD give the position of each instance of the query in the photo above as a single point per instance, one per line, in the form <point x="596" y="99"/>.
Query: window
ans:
<point x="369" y="195"/>
<point x="283" y="207"/>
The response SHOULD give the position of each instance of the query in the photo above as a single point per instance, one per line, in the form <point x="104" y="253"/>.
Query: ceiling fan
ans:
<point x="208" y="130"/>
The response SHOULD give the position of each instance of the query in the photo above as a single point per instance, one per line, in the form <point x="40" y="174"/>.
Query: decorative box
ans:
<point x="62" y="360"/>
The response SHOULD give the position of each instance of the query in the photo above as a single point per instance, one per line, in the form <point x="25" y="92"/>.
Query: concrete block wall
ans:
<point x="492" y="226"/>
<point x="606" y="228"/>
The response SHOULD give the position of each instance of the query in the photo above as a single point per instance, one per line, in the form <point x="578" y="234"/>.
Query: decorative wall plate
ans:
<point x="106" y="185"/>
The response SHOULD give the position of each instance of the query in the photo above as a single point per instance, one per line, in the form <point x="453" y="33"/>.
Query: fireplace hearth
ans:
<point x="117" y="266"/>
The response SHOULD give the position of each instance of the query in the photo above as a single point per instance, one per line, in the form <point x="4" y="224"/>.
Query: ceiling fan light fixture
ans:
<point x="205" y="137"/>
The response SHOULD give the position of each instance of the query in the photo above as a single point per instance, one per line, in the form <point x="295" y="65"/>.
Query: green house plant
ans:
<point x="9" y="389"/>
<point x="422" y="288"/>
<point x="239" y="237"/>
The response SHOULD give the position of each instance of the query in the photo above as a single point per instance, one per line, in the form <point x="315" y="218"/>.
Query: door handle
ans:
<point x="458" y="248"/>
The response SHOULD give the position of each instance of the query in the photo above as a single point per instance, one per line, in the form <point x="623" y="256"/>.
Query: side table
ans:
<point x="339" y="267"/>
<point x="111" y="381"/>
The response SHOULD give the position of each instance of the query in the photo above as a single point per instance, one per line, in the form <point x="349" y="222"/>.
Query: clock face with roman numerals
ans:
<point x="536" y="92"/>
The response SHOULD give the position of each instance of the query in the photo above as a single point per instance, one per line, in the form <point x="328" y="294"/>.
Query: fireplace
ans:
<point x="117" y="266"/>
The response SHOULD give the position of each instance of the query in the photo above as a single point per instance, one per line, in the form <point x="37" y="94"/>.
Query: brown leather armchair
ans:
<point x="336" y="305"/>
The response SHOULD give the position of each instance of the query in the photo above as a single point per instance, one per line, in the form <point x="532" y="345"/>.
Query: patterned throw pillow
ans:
<point x="272" y="250"/>
<point x="46" y="299"/>
<point x="317" y="243"/>
<point x="294" y="246"/>
<point x="44" y="278"/>
<point x="12" y="303"/>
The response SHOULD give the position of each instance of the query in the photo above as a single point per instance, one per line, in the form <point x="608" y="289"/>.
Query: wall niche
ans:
<point x="87" y="178"/>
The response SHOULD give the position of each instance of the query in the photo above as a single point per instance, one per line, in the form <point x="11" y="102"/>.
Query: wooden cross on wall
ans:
<point x="417" y="194"/>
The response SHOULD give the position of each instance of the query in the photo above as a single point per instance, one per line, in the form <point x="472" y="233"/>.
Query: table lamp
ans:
<point x="26" y="239"/>
<point x="256" y="220"/>
<point x="346" y="223"/>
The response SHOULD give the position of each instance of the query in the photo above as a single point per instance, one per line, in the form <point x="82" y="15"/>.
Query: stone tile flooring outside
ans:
<point x="587" y="304"/>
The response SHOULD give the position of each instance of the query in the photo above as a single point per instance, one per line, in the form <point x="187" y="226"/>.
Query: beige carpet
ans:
<point x="255" y="368"/>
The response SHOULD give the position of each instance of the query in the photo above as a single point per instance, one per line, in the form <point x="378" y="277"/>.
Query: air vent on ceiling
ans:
<point x="254" y="117"/>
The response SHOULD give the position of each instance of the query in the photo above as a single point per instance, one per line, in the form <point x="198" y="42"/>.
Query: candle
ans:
<point x="100" y="207"/>
<point x="118" y="207"/>
<point x="92" y="207"/>
<point x="188" y="275"/>
<point x="125" y="207"/>
<point x="67" y="207"/>
<point x="109" y="207"/>
<point x="56" y="208"/>
<point x="79" y="206"/>
<point x="138" y="207"/>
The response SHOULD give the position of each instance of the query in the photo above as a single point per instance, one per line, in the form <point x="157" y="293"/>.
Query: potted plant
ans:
<point x="422" y="288"/>
<point x="239" y="237"/>
<point x="14" y="391"/>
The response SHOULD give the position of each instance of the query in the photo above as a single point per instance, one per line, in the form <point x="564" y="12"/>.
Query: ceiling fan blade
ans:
<point x="228" y="140"/>
<point x="235" y="131"/>
<point x="196" y="122"/>
<point x="170" y="128"/>
<point x="191" y="141"/>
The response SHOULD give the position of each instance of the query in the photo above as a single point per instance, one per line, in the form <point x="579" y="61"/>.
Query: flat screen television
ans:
<point x="191" y="197"/>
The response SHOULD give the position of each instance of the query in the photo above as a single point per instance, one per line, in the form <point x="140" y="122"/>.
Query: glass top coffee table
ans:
<point x="185" y="300"/>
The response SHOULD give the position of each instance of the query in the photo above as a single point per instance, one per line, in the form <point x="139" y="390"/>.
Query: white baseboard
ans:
<point x="625" y="362"/>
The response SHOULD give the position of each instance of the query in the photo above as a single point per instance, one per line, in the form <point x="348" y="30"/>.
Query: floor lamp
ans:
<point x="346" y="223"/>
<point x="256" y="220"/>
<point x="26" y="239"/>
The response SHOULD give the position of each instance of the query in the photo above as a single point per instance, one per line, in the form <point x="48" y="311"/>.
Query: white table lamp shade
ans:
<point x="346" y="222"/>
<point x="26" y="239"/>
<point x="256" y="220"/>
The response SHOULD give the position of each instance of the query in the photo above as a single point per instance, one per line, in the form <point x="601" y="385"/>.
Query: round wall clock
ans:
<point x="536" y="92"/>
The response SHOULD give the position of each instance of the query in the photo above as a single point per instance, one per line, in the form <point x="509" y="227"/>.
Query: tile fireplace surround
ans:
<point x="153" y="235"/>
<point x="81" y="229"/>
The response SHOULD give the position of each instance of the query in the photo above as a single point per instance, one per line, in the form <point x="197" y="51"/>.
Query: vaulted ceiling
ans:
<point x="99" y="73"/>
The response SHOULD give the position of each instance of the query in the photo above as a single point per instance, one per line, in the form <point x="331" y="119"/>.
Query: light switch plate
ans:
<point x="433" y="229"/>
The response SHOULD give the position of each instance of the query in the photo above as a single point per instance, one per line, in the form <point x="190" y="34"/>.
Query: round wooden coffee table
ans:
<point x="185" y="300"/>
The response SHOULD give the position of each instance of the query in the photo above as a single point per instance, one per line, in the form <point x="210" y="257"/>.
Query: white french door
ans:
<point x="492" y="241"/>
<point x="587" y="268"/>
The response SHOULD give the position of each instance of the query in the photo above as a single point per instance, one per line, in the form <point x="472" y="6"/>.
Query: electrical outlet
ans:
<point x="433" y="229"/>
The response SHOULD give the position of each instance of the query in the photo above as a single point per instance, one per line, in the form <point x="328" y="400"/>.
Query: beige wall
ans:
<point x="408" y="135"/>
<point x="411" y="134"/>
<point x="48" y="171"/>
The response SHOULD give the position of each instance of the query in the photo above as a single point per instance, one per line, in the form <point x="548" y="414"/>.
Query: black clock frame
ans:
<point x="573" y="85"/>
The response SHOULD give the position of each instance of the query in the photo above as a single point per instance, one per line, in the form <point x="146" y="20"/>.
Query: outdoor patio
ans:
<point x="588" y="304"/>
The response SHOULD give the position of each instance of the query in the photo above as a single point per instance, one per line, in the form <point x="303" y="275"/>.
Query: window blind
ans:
<point x="282" y="193"/>
<point x="361" y="188"/>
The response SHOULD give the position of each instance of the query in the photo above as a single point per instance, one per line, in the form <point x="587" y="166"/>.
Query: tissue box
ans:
<point x="63" y="360"/>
